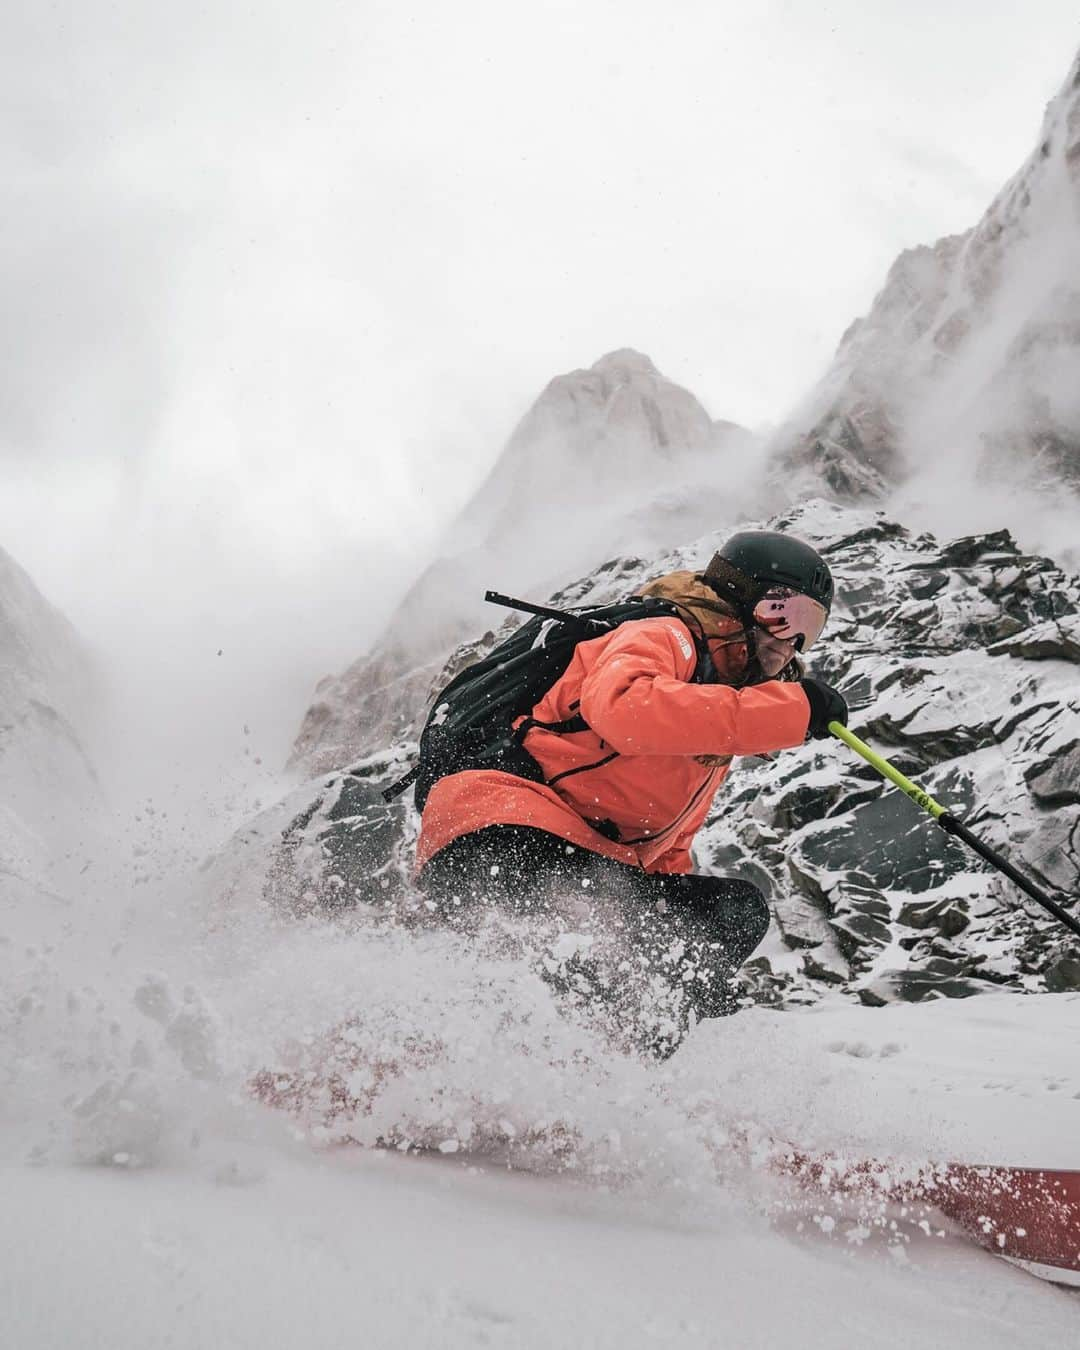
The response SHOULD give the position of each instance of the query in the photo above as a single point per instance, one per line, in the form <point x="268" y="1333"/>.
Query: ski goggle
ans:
<point x="790" y="616"/>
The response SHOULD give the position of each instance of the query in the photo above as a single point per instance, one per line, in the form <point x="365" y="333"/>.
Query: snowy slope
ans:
<point x="969" y="352"/>
<point x="611" y="458"/>
<point x="150" y="1201"/>
<point x="331" y="1252"/>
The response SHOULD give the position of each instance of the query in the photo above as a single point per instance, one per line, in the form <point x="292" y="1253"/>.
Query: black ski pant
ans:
<point x="711" y="924"/>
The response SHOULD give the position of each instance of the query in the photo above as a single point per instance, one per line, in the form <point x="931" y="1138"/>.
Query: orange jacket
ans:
<point x="656" y="750"/>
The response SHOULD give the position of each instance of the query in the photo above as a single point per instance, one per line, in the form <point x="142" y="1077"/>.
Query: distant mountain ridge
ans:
<point x="619" y="416"/>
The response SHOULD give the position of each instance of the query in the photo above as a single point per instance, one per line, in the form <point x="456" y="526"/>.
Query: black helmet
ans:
<point x="776" y="559"/>
<point x="776" y="582"/>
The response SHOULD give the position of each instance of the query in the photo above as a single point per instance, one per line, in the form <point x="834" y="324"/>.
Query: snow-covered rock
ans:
<point x="957" y="661"/>
<point x="928" y="644"/>
<point x="971" y="349"/>
<point x="608" y="459"/>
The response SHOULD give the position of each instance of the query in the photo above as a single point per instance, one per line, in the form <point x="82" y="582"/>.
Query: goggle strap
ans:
<point x="731" y="584"/>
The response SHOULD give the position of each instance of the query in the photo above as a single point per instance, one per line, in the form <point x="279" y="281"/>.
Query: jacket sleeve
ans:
<point x="637" y="697"/>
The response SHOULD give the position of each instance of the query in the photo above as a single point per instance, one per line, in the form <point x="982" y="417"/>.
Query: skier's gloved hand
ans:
<point x="826" y="706"/>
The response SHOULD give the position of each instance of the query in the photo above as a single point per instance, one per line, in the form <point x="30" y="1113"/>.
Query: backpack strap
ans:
<point x="545" y="611"/>
<point x="566" y="727"/>
<point x="704" y="673"/>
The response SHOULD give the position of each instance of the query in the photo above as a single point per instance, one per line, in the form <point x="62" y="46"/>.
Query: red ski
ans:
<point x="1028" y="1215"/>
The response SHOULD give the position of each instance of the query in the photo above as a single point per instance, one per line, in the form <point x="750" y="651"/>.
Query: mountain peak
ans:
<point x="626" y="361"/>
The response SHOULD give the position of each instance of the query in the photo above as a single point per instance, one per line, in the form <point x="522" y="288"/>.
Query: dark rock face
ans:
<point x="346" y="847"/>
<point x="912" y="914"/>
<point x="1056" y="781"/>
<point x="868" y="895"/>
<point x="1051" y="641"/>
<point x="948" y="917"/>
<point x="1063" y="976"/>
<point x="835" y="454"/>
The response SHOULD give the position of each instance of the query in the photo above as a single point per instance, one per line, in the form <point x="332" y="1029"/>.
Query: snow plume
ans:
<point x="135" y="1038"/>
<point x="147" y="1024"/>
<point x="994" y="432"/>
<point x="182" y="1066"/>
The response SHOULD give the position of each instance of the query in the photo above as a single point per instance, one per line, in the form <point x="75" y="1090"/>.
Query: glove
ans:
<point x="826" y="706"/>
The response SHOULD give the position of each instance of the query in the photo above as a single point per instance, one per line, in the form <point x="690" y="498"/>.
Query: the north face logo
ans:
<point x="683" y="641"/>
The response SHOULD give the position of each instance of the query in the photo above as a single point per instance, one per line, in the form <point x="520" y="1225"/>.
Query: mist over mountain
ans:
<point x="965" y="370"/>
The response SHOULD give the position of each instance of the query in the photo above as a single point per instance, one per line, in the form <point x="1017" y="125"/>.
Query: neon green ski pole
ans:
<point x="951" y="825"/>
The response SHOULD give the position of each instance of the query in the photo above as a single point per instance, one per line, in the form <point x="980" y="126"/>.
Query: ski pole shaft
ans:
<point x="951" y="825"/>
<point x="888" y="770"/>
<point x="956" y="827"/>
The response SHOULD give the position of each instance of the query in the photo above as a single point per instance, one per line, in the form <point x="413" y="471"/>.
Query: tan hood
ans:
<point x="715" y="617"/>
<point x="717" y="621"/>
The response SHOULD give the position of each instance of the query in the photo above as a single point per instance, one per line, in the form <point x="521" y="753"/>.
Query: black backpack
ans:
<point x="470" y="723"/>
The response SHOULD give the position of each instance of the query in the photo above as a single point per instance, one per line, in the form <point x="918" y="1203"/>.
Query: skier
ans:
<point x="632" y="742"/>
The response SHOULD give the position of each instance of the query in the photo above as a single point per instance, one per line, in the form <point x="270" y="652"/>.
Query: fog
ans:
<point x="279" y="281"/>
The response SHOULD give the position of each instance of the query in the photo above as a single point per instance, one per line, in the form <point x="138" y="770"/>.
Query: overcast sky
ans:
<point x="279" y="278"/>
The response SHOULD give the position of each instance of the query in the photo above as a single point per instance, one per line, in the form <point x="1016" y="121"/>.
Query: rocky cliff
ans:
<point x="960" y="659"/>
<point x="971" y="349"/>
